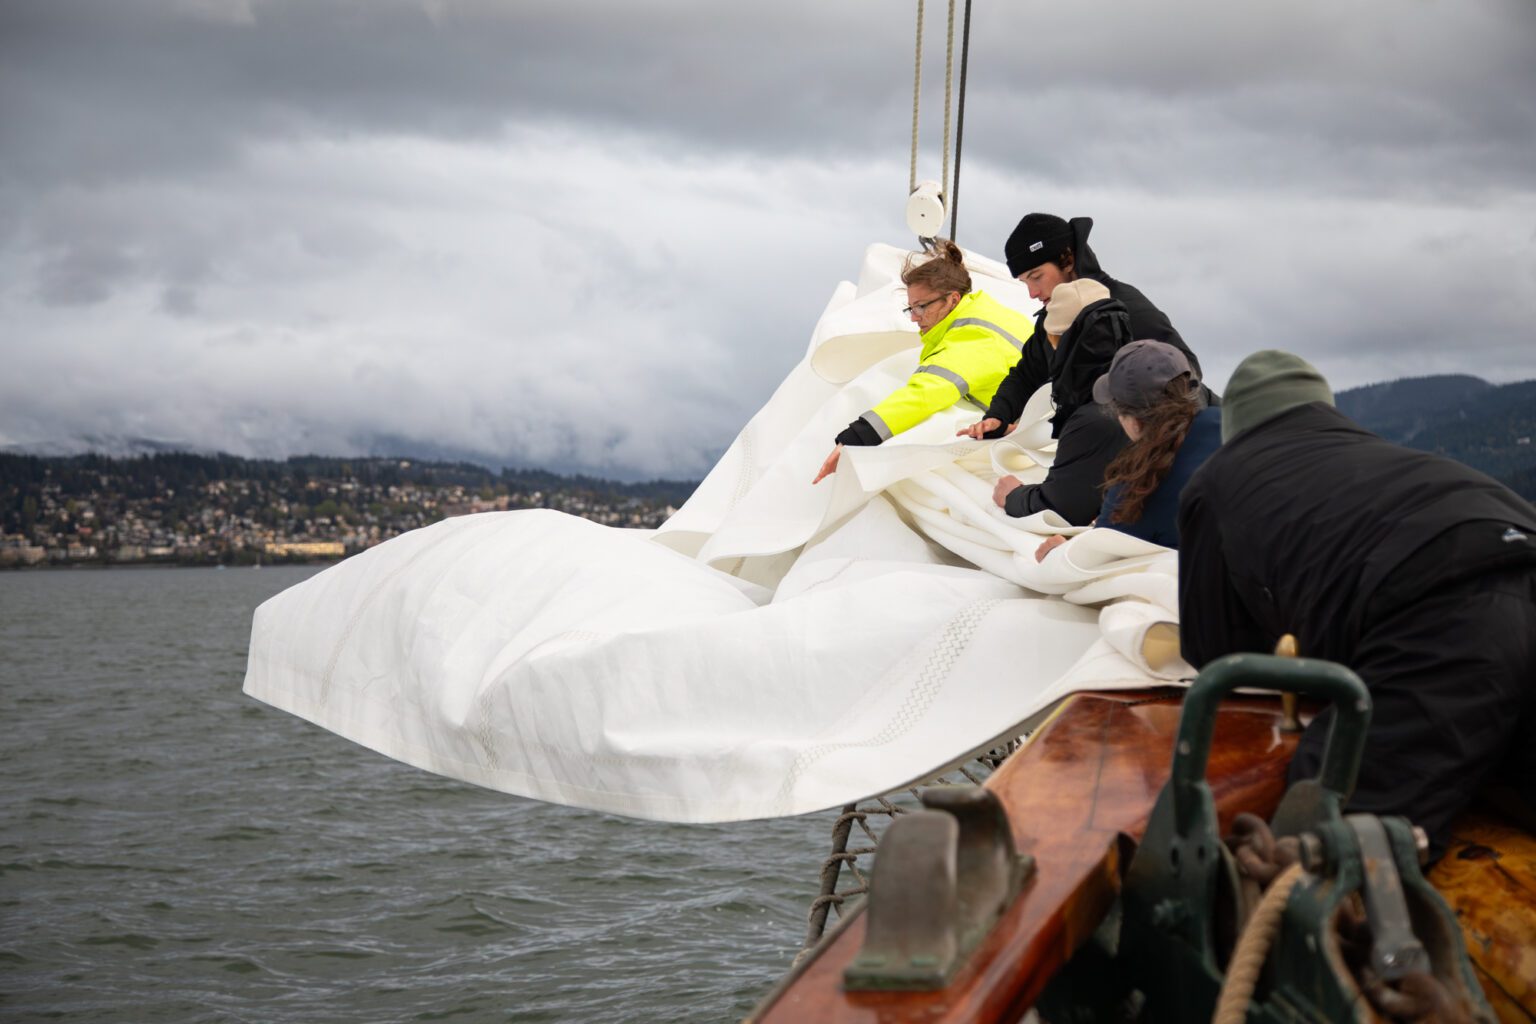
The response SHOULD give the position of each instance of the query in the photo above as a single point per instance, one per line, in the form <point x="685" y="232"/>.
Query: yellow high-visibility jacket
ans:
<point x="965" y="356"/>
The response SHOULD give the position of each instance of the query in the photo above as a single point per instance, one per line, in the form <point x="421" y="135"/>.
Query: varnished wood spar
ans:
<point x="1091" y="772"/>
<point x="1488" y="876"/>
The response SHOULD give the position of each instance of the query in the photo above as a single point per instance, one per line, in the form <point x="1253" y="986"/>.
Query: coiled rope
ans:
<point x="1253" y="949"/>
<point x="1418" y="997"/>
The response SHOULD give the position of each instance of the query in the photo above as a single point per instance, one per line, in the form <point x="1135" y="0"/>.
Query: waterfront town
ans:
<point x="184" y="509"/>
<point x="177" y="508"/>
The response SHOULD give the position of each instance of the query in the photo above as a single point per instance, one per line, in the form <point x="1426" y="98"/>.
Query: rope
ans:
<point x="949" y="67"/>
<point x="830" y="869"/>
<point x="965" y="62"/>
<point x="917" y="91"/>
<point x="1253" y="950"/>
<point x="1264" y="860"/>
<point x="949" y="190"/>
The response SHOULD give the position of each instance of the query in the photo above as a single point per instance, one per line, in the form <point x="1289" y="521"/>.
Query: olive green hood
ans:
<point x="1265" y="385"/>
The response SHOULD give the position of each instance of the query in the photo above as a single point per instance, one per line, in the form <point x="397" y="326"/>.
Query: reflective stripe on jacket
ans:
<point x="965" y="356"/>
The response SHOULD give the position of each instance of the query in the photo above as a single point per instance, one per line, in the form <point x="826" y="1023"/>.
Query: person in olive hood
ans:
<point x="1083" y="329"/>
<point x="1414" y="570"/>
<point x="1045" y="251"/>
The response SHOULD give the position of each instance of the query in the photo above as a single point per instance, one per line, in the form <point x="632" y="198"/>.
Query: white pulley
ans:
<point x="925" y="210"/>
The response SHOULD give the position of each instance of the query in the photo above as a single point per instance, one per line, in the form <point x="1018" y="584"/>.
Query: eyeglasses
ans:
<point x="920" y="307"/>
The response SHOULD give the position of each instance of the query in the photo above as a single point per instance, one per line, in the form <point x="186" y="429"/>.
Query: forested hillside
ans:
<point x="1491" y="427"/>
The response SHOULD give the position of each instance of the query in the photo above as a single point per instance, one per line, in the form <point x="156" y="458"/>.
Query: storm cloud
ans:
<point x="596" y="235"/>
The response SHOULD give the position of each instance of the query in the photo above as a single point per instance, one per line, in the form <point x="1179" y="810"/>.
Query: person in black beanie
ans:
<point x="1043" y="252"/>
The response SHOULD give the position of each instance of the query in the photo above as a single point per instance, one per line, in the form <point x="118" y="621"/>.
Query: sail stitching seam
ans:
<point x="956" y="637"/>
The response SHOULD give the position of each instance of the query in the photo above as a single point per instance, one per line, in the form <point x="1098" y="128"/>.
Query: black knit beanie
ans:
<point x="1039" y="238"/>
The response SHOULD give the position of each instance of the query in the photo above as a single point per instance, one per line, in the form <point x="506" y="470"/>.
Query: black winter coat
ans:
<point x="1087" y="438"/>
<point x="1296" y="525"/>
<point x="1147" y="321"/>
<point x="1089" y="441"/>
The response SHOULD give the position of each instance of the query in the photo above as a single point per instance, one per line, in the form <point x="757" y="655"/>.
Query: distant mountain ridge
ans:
<point x="183" y="470"/>
<point x="1491" y="427"/>
<point x="372" y="446"/>
<point x="1400" y="409"/>
<point x="117" y="447"/>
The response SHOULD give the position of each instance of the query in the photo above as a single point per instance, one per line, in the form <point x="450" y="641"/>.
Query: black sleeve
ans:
<point x="1089" y="441"/>
<point x="1158" y="327"/>
<point x="1213" y="620"/>
<point x="1154" y="324"/>
<point x="1024" y="379"/>
<point x="1150" y="323"/>
<point x="858" y="433"/>
<point x="1147" y="321"/>
<point x="1162" y="329"/>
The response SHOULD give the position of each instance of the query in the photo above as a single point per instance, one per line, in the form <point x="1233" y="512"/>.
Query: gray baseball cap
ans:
<point x="1139" y="374"/>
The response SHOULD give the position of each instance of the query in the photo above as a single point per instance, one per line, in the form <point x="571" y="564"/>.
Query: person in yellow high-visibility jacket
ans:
<point x="970" y="342"/>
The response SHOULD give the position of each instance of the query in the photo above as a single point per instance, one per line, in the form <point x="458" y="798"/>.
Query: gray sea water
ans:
<point x="171" y="850"/>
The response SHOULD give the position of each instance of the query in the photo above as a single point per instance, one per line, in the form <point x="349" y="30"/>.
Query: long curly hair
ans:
<point x="1143" y="465"/>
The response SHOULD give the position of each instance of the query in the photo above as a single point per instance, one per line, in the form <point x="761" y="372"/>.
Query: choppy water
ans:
<point x="171" y="850"/>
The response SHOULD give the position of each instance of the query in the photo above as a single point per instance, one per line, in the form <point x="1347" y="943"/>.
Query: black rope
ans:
<point x="965" y="57"/>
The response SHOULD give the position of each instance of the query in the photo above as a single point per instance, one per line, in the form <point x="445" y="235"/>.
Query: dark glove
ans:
<point x="859" y="433"/>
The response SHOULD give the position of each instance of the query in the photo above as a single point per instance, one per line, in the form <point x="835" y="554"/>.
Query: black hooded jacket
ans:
<point x="1034" y="367"/>
<point x="1147" y="321"/>
<point x="1306" y="523"/>
<point x="1087" y="437"/>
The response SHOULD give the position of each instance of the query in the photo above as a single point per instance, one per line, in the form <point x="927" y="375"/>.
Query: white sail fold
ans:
<point x="774" y="648"/>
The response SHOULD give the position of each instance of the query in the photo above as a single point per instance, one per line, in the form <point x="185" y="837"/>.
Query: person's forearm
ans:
<point x="1026" y="501"/>
<point x="1008" y="401"/>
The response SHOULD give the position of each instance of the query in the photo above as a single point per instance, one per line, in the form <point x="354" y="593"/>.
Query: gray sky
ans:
<point x="597" y="235"/>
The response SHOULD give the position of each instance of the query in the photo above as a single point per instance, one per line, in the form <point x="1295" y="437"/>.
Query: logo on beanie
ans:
<point x="1512" y="535"/>
<point x="1037" y="247"/>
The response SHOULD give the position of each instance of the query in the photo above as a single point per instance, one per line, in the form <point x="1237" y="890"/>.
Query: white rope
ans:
<point x="917" y="88"/>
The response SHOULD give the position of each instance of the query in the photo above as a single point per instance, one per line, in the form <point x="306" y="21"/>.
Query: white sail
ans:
<point x="774" y="648"/>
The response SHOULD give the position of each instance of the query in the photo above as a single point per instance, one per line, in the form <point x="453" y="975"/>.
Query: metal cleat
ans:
<point x="942" y="879"/>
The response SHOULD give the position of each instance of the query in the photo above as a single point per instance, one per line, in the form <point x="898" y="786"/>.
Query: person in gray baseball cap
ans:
<point x="1156" y="394"/>
<point x="1139" y="375"/>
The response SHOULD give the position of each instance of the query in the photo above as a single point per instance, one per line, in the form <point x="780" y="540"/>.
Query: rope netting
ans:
<point x="856" y="834"/>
